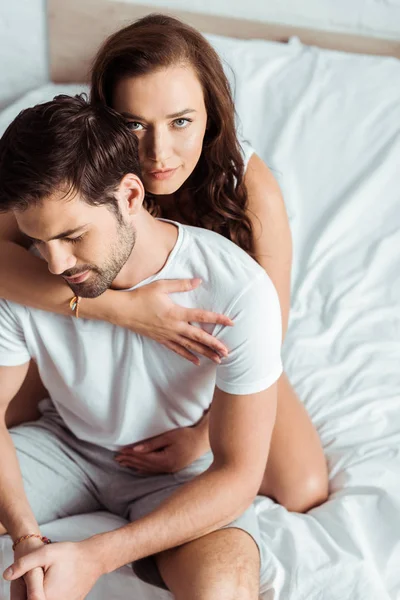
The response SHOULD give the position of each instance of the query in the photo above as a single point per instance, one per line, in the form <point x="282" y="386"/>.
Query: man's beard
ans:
<point x="100" y="279"/>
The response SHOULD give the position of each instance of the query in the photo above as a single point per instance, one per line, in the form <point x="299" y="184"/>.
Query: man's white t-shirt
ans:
<point x="113" y="387"/>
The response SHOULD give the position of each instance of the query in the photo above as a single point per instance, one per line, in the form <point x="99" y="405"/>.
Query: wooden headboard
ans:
<point x="77" y="28"/>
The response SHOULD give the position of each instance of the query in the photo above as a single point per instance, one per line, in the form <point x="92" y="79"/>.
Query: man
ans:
<point x="70" y="174"/>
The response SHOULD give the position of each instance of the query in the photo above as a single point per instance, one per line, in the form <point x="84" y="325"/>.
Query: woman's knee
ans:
<point x="312" y="491"/>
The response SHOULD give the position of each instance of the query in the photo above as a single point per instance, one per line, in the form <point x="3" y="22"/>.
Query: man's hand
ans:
<point x="31" y="585"/>
<point x="70" y="571"/>
<point x="169" y="452"/>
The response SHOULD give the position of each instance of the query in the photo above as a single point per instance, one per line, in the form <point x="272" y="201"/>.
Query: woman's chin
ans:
<point x="162" y="188"/>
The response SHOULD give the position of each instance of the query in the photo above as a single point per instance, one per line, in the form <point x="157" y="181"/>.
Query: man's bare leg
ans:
<point x="224" y="565"/>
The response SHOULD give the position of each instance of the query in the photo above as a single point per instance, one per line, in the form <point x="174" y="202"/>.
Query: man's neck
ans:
<point x="154" y="243"/>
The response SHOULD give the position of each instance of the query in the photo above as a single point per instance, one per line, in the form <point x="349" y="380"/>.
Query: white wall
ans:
<point x="379" y="18"/>
<point x="23" y="61"/>
<point x="23" y="50"/>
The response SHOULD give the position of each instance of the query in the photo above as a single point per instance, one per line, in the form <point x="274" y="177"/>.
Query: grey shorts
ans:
<point x="64" y="476"/>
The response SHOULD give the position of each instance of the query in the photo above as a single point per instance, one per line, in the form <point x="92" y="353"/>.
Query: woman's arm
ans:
<point x="25" y="278"/>
<point x="148" y="311"/>
<point x="272" y="236"/>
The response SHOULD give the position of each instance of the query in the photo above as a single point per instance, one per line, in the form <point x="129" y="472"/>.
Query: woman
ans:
<point x="168" y="82"/>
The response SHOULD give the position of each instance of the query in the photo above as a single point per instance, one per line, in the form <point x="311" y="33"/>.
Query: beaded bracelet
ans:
<point x="43" y="538"/>
<point x="74" y="305"/>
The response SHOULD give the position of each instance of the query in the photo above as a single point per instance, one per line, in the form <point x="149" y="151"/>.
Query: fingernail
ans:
<point x="139" y="448"/>
<point x="8" y="572"/>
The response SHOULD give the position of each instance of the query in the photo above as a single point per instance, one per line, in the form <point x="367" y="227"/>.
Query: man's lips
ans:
<point x="77" y="278"/>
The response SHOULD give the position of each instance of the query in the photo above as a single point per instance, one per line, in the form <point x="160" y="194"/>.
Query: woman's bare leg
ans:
<point x="296" y="475"/>
<point x="24" y="406"/>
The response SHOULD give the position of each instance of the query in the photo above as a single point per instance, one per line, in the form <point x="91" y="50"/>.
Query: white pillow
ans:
<point x="37" y="96"/>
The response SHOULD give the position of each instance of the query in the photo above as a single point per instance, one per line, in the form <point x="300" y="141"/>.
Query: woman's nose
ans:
<point x="159" y="146"/>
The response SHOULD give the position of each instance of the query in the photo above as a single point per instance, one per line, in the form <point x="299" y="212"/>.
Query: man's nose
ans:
<point x="59" y="259"/>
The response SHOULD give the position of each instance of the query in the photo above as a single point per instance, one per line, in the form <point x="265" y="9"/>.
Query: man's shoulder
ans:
<point x="221" y="251"/>
<point x="25" y="316"/>
<point x="11" y="308"/>
<point x="227" y="272"/>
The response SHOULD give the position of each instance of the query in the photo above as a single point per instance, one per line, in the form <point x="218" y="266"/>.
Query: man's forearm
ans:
<point x="15" y="513"/>
<point x="199" y="507"/>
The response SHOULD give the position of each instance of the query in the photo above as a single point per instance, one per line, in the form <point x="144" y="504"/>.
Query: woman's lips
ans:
<point x="161" y="175"/>
<point x="78" y="278"/>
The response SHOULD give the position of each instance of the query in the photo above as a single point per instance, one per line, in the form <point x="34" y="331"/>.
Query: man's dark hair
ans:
<point x="69" y="145"/>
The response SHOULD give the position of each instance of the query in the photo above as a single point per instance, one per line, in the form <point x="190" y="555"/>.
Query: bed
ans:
<point x="328" y="123"/>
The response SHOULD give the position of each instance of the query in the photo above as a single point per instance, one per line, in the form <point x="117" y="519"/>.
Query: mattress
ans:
<point x="328" y="125"/>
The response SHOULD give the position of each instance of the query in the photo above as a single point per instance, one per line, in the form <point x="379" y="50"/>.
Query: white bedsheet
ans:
<point x="329" y="126"/>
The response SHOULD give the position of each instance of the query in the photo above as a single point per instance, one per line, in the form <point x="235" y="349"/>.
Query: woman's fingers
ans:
<point x="194" y="315"/>
<point x="199" y="348"/>
<point x="187" y="348"/>
<point x="156" y="443"/>
<point x="205" y="339"/>
<point x="141" y="466"/>
<point x="172" y="286"/>
<point x="181" y="351"/>
<point x="197" y="315"/>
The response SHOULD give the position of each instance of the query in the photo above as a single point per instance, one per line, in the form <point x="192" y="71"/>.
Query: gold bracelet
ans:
<point x="74" y="305"/>
<point x="43" y="539"/>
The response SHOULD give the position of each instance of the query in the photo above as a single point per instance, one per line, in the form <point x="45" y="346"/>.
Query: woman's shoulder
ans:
<point x="247" y="152"/>
<point x="259" y="175"/>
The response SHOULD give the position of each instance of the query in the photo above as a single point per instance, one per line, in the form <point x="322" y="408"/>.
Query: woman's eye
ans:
<point x="135" y="126"/>
<point x="182" y="123"/>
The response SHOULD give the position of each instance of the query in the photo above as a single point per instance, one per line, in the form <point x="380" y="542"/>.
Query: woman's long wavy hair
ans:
<point x="216" y="184"/>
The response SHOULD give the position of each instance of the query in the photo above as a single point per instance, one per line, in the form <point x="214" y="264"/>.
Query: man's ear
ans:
<point x="130" y="194"/>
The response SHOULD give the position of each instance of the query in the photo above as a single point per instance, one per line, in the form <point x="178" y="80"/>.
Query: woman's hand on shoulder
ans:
<point x="149" y="311"/>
